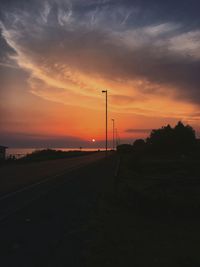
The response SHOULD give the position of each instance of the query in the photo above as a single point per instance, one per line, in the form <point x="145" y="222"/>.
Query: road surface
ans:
<point x="48" y="225"/>
<point x="16" y="176"/>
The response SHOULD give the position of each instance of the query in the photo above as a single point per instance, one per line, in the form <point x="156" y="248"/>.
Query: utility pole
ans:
<point x="105" y="91"/>
<point x="113" y="134"/>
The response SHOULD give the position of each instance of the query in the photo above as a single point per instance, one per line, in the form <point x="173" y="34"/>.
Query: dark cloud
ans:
<point x="102" y="38"/>
<point x="149" y="11"/>
<point x="152" y="11"/>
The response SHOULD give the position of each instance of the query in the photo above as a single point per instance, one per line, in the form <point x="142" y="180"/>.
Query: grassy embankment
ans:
<point x="50" y="154"/>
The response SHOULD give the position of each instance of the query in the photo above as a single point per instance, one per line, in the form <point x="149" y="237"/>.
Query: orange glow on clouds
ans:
<point x="60" y="94"/>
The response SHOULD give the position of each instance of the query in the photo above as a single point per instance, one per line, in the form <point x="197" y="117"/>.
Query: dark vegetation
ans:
<point x="161" y="175"/>
<point x="46" y="154"/>
<point x="166" y="141"/>
<point x="50" y="154"/>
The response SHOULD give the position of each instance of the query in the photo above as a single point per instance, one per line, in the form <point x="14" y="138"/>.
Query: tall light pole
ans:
<point x="105" y="91"/>
<point x="113" y="134"/>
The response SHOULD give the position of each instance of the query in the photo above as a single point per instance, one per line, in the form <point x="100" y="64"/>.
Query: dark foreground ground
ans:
<point x="56" y="228"/>
<point x="89" y="220"/>
<point x="154" y="218"/>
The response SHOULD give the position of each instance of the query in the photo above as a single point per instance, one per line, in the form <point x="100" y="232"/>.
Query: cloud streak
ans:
<point x="72" y="49"/>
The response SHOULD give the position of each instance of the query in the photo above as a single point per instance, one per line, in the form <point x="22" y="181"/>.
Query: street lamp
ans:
<point x="113" y="134"/>
<point x="105" y="91"/>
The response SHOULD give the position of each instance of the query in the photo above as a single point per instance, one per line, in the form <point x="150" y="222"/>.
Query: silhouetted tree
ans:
<point x="180" y="139"/>
<point x="184" y="137"/>
<point x="161" y="139"/>
<point x="139" y="145"/>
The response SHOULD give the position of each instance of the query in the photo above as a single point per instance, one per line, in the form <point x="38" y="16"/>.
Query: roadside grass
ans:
<point x="127" y="238"/>
<point x="151" y="219"/>
<point x="161" y="186"/>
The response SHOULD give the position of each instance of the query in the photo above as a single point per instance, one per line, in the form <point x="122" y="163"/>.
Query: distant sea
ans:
<point x="20" y="152"/>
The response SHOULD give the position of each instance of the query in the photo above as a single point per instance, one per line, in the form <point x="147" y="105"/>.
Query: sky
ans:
<point x="57" y="56"/>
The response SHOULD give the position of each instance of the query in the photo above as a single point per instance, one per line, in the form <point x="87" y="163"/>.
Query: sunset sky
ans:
<point x="56" y="57"/>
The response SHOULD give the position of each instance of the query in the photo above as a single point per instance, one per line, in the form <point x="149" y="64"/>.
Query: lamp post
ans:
<point x="105" y="91"/>
<point x="113" y="134"/>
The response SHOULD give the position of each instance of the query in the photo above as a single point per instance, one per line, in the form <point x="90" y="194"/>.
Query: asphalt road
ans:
<point x="16" y="176"/>
<point x="48" y="225"/>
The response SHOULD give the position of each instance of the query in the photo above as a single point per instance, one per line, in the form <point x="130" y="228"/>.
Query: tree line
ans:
<point x="180" y="139"/>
